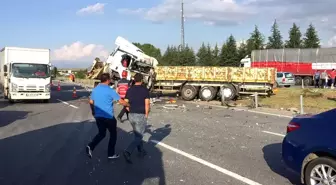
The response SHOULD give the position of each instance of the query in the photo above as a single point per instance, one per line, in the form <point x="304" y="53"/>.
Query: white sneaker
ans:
<point x="115" y="156"/>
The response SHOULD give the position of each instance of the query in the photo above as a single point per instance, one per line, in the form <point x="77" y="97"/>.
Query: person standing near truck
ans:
<point x="122" y="88"/>
<point x="138" y="98"/>
<point x="102" y="98"/>
<point x="317" y="76"/>
<point x="324" y="78"/>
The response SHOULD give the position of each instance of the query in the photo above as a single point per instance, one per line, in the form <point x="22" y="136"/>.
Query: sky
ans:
<point x="78" y="31"/>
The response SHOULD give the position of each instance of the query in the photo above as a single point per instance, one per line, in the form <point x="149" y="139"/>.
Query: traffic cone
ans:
<point x="74" y="94"/>
<point x="59" y="86"/>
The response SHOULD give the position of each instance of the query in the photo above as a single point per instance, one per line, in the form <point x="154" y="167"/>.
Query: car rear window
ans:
<point x="289" y="75"/>
<point x="279" y="75"/>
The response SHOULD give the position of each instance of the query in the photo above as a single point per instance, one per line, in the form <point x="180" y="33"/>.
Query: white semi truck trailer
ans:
<point x="25" y="74"/>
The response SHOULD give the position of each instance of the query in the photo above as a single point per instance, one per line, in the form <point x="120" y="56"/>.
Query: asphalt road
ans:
<point x="44" y="144"/>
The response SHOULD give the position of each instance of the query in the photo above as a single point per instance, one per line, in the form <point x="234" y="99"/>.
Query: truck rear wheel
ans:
<point x="188" y="92"/>
<point x="298" y="80"/>
<point x="207" y="93"/>
<point x="307" y="81"/>
<point x="228" y="92"/>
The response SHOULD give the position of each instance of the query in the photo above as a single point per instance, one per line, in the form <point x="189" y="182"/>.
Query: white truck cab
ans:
<point x="128" y="57"/>
<point x="25" y="73"/>
<point x="245" y="62"/>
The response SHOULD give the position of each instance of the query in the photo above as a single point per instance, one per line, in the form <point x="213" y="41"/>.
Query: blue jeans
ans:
<point x="139" y="123"/>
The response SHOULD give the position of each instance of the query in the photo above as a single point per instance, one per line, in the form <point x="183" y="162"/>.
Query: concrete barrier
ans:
<point x="86" y="83"/>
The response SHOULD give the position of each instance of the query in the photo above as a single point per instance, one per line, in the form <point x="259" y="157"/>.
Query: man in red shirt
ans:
<point x="122" y="88"/>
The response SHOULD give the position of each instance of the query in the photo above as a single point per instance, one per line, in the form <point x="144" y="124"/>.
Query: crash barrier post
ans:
<point x="302" y="84"/>
<point x="255" y="100"/>
<point x="301" y="104"/>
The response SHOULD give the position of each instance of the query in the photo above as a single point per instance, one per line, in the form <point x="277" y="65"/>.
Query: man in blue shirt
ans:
<point x="102" y="98"/>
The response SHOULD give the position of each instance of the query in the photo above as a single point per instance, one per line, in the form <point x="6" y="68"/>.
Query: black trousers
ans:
<point x="104" y="124"/>
<point x="122" y="112"/>
<point x="317" y="83"/>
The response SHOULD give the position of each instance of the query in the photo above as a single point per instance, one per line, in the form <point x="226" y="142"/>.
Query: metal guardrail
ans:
<point x="88" y="84"/>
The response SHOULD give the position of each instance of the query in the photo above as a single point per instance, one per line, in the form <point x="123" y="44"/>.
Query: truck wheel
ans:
<point x="45" y="101"/>
<point x="188" y="92"/>
<point x="228" y="92"/>
<point x="307" y="81"/>
<point x="313" y="173"/>
<point x="207" y="93"/>
<point x="298" y="80"/>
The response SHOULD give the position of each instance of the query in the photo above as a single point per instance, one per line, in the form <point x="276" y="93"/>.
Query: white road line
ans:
<point x="273" y="133"/>
<point x="66" y="103"/>
<point x="253" y="111"/>
<point x="73" y="106"/>
<point x="208" y="164"/>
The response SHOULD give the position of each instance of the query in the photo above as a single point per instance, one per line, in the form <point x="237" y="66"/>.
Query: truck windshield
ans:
<point x="22" y="70"/>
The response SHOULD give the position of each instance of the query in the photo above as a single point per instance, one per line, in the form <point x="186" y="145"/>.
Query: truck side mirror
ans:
<point x="5" y="70"/>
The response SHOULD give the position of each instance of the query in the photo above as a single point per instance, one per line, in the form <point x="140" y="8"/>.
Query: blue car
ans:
<point x="309" y="148"/>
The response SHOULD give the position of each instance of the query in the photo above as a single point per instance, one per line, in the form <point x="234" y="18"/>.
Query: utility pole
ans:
<point x="182" y="25"/>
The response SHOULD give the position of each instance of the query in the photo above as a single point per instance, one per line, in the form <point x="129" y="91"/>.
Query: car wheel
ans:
<point x="320" y="171"/>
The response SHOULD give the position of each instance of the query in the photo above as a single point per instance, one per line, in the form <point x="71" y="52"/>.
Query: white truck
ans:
<point x="126" y="57"/>
<point x="25" y="74"/>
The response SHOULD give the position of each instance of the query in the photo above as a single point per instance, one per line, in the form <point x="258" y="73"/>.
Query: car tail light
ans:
<point x="292" y="126"/>
<point x="284" y="79"/>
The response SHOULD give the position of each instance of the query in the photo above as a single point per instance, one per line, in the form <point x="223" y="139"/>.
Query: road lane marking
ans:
<point x="66" y="103"/>
<point x="208" y="164"/>
<point x="273" y="133"/>
<point x="238" y="109"/>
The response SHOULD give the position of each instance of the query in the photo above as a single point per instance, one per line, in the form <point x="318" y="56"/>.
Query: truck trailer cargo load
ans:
<point x="208" y="83"/>
<point x="303" y="63"/>
<point x="25" y="73"/>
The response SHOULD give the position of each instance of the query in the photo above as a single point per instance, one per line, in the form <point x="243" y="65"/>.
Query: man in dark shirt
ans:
<point x="138" y="99"/>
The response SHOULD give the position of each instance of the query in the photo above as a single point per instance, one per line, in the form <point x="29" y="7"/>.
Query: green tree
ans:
<point x="256" y="40"/>
<point x="150" y="50"/>
<point x="201" y="55"/>
<point x="169" y="58"/>
<point x="187" y="56"/>
<point x="294" y="40"/>
<point x="242" y="51"/>
<point x="311" y="39"/>
<point x="229" y="53"/>
<point x="209" y="57"/>
<point x="215" y="55"/>
<point x="81" y="74"/>
<point x="275" y="40"/>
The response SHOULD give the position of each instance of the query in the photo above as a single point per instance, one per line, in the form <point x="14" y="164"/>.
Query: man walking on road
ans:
<point x="138" y="98"/>
<point x="122" y="88"/>
<point x="102" y="98"/>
